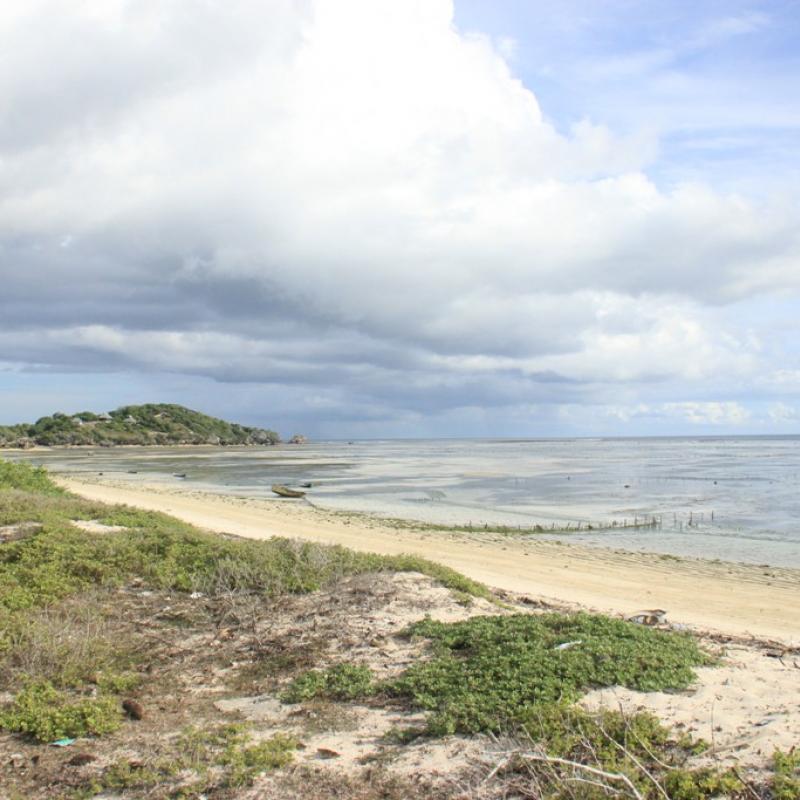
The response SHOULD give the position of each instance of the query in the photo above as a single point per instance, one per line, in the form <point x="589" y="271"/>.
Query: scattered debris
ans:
<point x="653" y="616"/>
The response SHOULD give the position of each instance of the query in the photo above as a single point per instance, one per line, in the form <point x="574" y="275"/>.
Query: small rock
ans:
<point x="79" y="759"/>
<point x="133" y="708"/>
<point x="324" y="752"/>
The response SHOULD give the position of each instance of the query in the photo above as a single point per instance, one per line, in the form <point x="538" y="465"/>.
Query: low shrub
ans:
<point x="567" y="753"/>
<point x="488" y="673"/>
<point x="61" y="559"/>
<point x="786" y="775"/>
<point x="244" y="762"/>
<point x="27" y="478"/>
<point x="68" y="645"/>
<point x="47" y="714"/>
<point x="339" y="682"/>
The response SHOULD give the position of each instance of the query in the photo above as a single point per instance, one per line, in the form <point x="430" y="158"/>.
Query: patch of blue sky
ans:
<point x="718" y="82"/>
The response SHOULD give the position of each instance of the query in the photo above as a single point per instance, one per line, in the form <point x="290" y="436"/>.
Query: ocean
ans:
<point x="733" y="499"/>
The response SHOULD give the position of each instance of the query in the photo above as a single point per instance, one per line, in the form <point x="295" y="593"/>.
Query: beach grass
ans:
<point x="61" y="559"/>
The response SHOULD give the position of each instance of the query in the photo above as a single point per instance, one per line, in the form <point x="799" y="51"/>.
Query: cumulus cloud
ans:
<point x="354" y="195"/>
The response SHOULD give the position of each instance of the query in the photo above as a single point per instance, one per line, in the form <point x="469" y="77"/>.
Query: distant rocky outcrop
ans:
<point x="150" y="424"/>
<point x="298" y="438"/>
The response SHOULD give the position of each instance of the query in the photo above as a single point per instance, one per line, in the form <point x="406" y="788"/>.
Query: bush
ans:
<point x="27" y="478"/>
<point x="68" y="645"/>
<point x="562" y="744"/>
<point x="48" y="714"/>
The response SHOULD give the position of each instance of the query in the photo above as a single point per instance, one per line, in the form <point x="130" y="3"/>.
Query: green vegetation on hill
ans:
<point x="149" y="424"/>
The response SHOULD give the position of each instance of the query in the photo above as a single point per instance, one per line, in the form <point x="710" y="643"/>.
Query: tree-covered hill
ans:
<point x="150" y="424"/>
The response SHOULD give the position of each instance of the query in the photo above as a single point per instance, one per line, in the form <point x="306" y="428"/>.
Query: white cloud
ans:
<point x="242" y="180"/>
<point x="713" y="413"/>
<point x="784" y="413"/>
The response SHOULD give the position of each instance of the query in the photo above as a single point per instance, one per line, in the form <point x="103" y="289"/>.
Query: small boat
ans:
<point x="285" y="491"/>
<point x="180" y="474"/>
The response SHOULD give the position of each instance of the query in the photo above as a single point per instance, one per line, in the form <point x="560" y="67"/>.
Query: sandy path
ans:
<point x="729" y="598"/>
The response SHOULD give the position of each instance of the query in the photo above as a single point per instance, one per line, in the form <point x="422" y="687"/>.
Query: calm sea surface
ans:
<point x="736" y="499"/>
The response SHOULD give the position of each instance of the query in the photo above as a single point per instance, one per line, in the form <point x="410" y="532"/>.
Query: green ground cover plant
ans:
<point x="339" y="682"/>
<point x="487" y="673"/>
<point x="47" y="714"/>
<point x="786" y="769"/>
<point x="244" y="761"/>
<point x="211" y="759"/>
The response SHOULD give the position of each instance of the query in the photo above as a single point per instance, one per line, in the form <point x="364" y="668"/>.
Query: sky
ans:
<point x="404" y="218"/>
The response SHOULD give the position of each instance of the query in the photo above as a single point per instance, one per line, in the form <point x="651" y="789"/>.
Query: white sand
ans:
<point x="734" y="599"/>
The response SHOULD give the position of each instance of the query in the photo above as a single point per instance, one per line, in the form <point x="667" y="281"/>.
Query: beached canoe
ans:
<point x="285" y="491"/>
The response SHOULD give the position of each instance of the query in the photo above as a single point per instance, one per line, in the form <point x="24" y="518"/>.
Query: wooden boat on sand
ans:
<point x="285" y="491"/>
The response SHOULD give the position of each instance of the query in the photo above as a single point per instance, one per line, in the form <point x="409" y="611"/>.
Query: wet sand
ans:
<point x="734" y="599"/>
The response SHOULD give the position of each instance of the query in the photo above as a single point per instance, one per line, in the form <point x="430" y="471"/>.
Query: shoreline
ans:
<point x="711" y="596"/>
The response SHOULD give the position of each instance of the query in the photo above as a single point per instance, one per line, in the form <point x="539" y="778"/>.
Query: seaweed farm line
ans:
<point x="734" y="499"/>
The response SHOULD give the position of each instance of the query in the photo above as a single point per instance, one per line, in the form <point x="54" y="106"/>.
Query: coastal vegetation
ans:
<point x="149" y="424"/>
<point x="490" y="672"/>
<point x="121" y="629"/>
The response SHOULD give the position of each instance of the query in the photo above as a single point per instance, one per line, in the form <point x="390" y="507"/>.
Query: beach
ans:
<point x="732" y="599"/>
